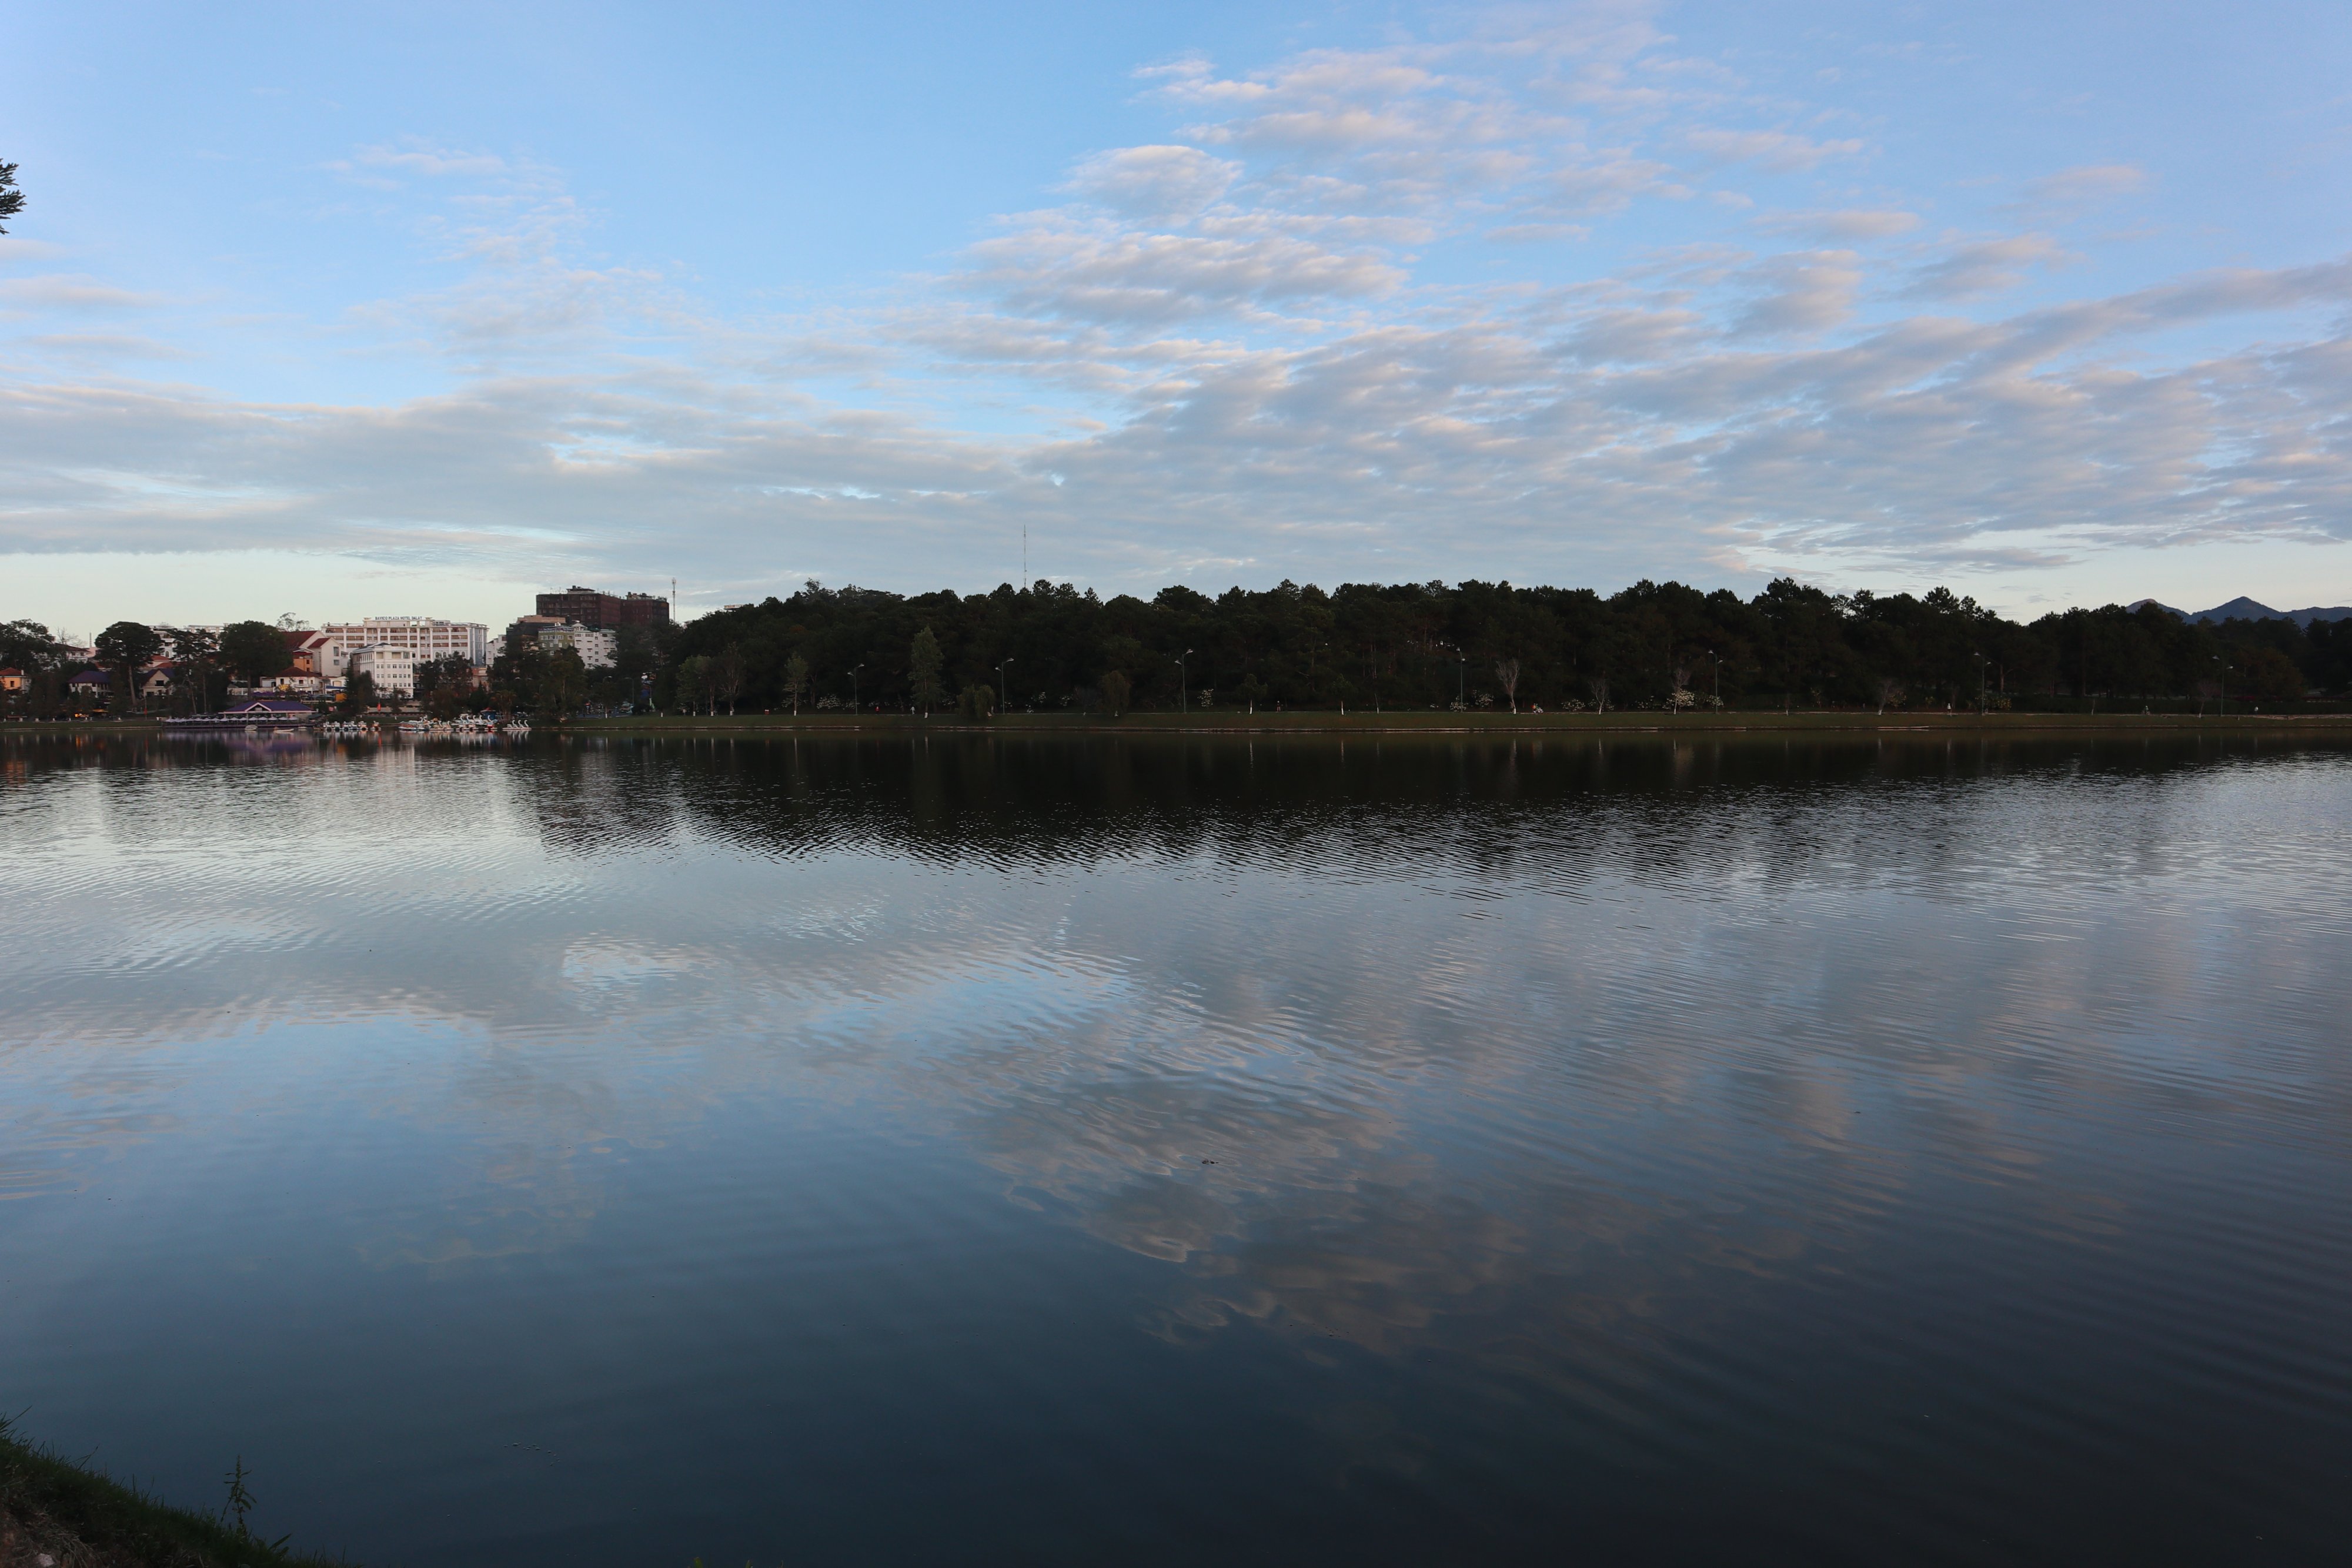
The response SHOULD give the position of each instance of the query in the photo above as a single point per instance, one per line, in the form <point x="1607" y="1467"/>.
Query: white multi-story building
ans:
<point x="416" y="634"/>
<point x="596" y="649"/>
<point x="393" y="667"/>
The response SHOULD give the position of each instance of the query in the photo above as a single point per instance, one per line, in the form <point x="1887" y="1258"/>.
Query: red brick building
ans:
<point x="606" y="611"/>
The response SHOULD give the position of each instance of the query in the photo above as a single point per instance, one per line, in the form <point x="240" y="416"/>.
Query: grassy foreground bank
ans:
<point x="1498" y="727"/>
<point x="54" y="1509"/>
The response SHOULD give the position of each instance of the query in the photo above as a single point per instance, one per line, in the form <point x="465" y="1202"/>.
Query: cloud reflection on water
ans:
<point x="1602" y="1072"/>
<point x="1097" y="967"/>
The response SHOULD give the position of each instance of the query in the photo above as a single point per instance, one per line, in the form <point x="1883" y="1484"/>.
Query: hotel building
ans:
<point x="420" y="638"/>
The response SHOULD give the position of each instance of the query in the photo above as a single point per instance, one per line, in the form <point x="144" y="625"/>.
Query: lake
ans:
<point x="1076" y="1151"/>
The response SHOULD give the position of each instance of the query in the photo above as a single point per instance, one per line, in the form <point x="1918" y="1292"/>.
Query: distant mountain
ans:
<point x="2244" y="608"/>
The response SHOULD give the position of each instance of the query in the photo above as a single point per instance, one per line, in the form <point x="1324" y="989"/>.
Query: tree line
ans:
<point x="1476" y="644"/>
<point x="1053" y="647"/>
<point x="203" y="666"/>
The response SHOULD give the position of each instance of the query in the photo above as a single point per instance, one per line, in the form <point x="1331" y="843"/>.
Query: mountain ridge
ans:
<point x="2244" y="608"/>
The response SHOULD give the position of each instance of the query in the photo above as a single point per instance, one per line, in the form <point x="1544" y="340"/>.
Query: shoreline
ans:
<point x="1501" y="726"/>
<point x="66" y="1511"/>
<point x="1495" y="726"/>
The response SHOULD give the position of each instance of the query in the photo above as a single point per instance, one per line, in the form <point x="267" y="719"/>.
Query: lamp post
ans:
<point x="2221" y="680"/>
<point x="1462" y="673"/>
<point x="853" y="686"/>
<point x="1184" y="683"/>
<point x="1004" y="702"/>
<point x="1715" y="674"/>
<point x="1981" y="667"/>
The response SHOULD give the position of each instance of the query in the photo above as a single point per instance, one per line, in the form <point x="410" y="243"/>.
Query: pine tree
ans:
<point x="923" y="665"/>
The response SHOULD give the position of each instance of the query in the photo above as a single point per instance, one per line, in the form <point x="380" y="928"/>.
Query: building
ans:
<point x="524" y="633"/>
<point x="606" y="611"/>
<point x="599" y="647"/>
<point x="262" y="713"/>
<point x="597" y="650"/>
<point x="331" y="647"/>
<point x="90" y="683"/>
<point x="12" y="680"/>
<point x="302" y="652"/>
<point x="391" y="666"/>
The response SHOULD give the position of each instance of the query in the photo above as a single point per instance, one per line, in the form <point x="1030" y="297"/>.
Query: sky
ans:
<point x="346" y="310"/>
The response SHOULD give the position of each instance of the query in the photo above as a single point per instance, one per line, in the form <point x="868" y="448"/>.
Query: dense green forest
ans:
<point x="1055" y="648"/>
<point x="1418" y="645"/>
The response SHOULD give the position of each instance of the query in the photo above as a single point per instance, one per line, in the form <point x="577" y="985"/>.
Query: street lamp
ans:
<point x="853" y="686"/>
<point x="1184" y="683"/>
<point x="1462" y="685"/>
<point x="1004" y="702"/>
<point x="1715" y="673"/>
<point x="1981" y="667"/>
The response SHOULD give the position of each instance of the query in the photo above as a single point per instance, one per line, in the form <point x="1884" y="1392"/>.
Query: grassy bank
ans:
<point x="1503" y="725"/>
<point x="51" y="1506"/>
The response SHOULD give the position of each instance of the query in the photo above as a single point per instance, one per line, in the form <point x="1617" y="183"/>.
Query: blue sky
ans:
<point x="340" y="313"/>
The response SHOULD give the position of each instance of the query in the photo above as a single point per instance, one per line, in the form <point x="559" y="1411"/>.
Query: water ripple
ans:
<point x="1157" y="1149"/>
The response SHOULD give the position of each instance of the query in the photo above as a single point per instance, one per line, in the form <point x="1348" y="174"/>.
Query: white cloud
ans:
<point x="434" y="162"/>
<point x="1800" y="292"/>
<point x="1232" y="348"/>
<point x="1638" y="434"/>
<point x="1774" y="150"/>
<point x="75" y="293"/>
<point x="1848" y="225"/>
<point x="1987" y="266"/>
<point x="1096" y="273"/>
<point x="1154" y="181"/>
<point x="2083" y="186"/>
<point x="106" y="346"/>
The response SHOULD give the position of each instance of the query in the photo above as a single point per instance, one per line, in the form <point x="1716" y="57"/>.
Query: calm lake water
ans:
<point x="1075" y="1152"/>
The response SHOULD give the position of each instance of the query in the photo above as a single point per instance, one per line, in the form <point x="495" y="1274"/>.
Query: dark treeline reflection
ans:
<point x="1390" y="806"/>
<point x="1384" y="806"/>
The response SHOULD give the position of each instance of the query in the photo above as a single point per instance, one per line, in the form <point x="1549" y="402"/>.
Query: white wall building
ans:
<point x="421" y="636"/>
<point x="596" y="649"/>
<point x="393" y="667"/>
